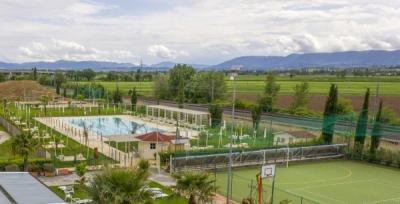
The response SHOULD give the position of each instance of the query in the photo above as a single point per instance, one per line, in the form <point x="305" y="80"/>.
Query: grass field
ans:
<point x="323" y="182"/>
<point x="257" y="86"/>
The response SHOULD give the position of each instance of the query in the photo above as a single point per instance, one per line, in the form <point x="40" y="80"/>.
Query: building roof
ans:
<point x="301" y="134"/>
<point x="155" y="137"/>
<point x="179" y="110"/>
<point x="22" y="188"/>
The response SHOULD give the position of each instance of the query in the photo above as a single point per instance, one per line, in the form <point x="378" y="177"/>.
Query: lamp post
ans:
<point x="233" y="72"/>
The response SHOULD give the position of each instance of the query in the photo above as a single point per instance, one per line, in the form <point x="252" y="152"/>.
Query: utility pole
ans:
<point x="233" y="73"/>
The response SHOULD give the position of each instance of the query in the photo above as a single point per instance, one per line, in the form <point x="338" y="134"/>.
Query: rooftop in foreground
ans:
<point x="22" y="188"/>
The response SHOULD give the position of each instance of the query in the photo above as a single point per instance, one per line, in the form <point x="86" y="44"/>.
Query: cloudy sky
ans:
<point x="191" y="31"/>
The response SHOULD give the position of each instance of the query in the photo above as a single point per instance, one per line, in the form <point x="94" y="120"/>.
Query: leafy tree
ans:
<point x="344" y="107"/>
<point x="124" y="186"/>
<point x="58" y="80"/>
<point x="376" y="130"/>
<point x="329" y="120"/>
<point x="23" y="145"/>
<point x="215" y="114"/>
<point x="179" y="76"/>
<point x="181" y="95"/>
<point x="361" y="128"/>
<point x="44" y="80"/>
<point x="2" y="77"/>
<point x="388" y="116"/>
<point x="89" y="74"/>
<point x="301" y="96"/>
<point x="133" y="98"/>
<point x="256" y="116"/>
<point x="271" y="91"/>
<point x="197" y="187"/>
<point x="112" y="76"/>
<point x="161" y="87"/>
<point x="81" y="170"/>
<point x="206" y="87"/>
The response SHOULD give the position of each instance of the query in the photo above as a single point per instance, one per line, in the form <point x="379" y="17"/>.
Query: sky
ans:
<point x="191" y="31"/>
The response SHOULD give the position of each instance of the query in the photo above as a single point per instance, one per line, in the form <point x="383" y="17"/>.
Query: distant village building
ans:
<point x="291" y="137"/>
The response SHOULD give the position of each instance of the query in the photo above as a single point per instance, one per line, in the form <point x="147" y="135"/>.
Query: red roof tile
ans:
<point x="152" y="137"/>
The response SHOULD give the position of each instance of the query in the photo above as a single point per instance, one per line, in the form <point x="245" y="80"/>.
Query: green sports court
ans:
<point x="333" y="181"/>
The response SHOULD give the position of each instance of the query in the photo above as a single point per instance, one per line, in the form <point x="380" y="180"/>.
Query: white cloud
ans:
<point x="163" y="51"/>
<point x="70" y="50"/>
<point x="211" y="30"/>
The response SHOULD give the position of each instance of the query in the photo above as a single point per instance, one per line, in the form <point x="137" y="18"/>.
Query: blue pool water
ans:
<point x="108" y="126"/>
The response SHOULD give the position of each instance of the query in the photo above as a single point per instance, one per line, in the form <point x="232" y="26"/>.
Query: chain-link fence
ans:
<point x="253" y="158"/>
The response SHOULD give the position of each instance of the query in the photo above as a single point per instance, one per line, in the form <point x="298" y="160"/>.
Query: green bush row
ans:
<point x="34" y="164"/>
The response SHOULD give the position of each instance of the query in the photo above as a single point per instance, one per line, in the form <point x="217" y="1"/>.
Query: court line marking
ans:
<point x="349" y="174"/>
<point x="334" y="184"/>
<point x="379" y="201"/>
<point x="380" y="181"/>
<point x="324" y="196"/>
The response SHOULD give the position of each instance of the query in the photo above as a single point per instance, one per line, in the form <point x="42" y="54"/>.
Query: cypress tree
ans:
<point x="133" y="98"/>
<point x="328" y="125"/>
<point x="361" y="128"/>
<point x="376" y="131"/>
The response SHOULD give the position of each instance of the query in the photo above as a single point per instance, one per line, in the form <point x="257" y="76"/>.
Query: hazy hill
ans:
<point x="335" y="59"/>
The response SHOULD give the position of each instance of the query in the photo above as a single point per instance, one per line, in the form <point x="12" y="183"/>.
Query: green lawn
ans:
<point x="320" y="87"/>
<point x="323" y="182"/>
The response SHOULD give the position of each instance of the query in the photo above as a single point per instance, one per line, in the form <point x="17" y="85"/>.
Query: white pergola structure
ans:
<point x="168" y="114"/>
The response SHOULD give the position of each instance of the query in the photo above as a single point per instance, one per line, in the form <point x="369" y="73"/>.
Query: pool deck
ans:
<point x="96" y="140"/>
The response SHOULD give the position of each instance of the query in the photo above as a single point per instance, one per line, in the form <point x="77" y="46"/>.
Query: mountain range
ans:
<point x="370" y="58"/>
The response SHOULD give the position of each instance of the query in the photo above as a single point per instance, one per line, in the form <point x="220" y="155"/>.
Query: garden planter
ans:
<point x="49" y="174"/>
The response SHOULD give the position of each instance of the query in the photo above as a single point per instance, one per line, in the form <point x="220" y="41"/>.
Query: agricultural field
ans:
<point x="249" y="87"/>
<point x="255" y="85"/>
<point x="322" y="182"/>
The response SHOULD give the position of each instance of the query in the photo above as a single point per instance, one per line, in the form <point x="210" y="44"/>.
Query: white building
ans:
<point x="291" y="137"/>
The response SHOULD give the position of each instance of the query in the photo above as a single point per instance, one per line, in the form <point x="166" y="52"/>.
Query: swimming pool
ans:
<point x="110" y="125"/>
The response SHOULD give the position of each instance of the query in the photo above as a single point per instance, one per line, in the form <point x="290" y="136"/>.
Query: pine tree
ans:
<point x="361" y="128"/>
<point x="376" y="131"/>
<point x="328" y="125"/>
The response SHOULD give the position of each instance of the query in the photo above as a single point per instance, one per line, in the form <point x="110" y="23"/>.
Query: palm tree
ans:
<point x="23" y="145"/>
<point x="198" y="187"/>
<point x="120" y="186"/>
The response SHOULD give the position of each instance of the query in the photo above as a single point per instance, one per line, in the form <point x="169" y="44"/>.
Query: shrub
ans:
<point x="48" y="167"/>
<point x="12" y="167"/>
<point x="34" y="168"/>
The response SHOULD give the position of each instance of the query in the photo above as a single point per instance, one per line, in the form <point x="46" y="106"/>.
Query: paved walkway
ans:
<point x="65" y="179"/>
<point x="162" y="178"/>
